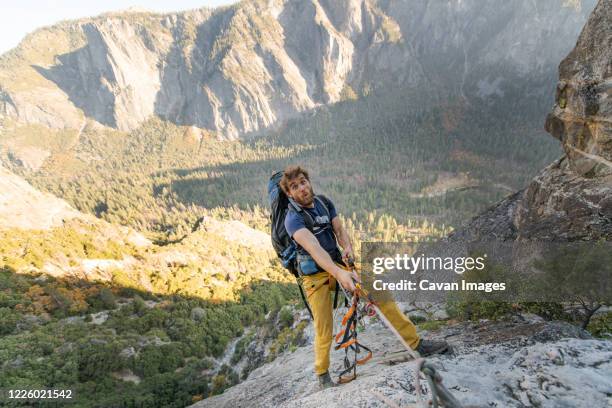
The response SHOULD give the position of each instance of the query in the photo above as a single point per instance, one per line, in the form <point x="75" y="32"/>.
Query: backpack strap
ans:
<point x="326" y="203"/>
<point x="308" y="220"/>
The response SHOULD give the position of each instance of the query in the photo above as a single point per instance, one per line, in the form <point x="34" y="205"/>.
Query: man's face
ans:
<point x="301" y="191"/>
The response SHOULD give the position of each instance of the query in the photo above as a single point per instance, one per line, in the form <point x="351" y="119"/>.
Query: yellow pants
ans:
<point x="318" y="288"/>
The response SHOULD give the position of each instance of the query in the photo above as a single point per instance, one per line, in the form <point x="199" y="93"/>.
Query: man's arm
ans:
<point x="309" y="242"/>
<point x="343" y="239"/>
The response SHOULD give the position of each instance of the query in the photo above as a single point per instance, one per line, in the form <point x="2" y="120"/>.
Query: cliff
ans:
<point x="571" y="199"/>
<point x="519" y="364"/>
<point x="241" y="69"/>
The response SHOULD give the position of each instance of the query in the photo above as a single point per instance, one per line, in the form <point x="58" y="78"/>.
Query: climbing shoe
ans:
<point x="325" y="381"/>
<point x="429" y="347"/>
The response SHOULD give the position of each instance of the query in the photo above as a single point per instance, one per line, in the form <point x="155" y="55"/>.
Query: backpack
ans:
<point x="283" y="244"/>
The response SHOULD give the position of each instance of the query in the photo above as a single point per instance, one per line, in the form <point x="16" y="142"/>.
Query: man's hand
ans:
<point x="345" y="279"/>
<point x="309" y="242"/>
<point x="347" y="256"/>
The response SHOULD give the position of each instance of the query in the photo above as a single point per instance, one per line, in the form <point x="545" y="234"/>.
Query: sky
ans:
<point x="20" y="17"/>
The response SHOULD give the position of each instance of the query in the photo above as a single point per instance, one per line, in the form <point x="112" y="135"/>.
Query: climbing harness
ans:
<point x="347" y="339"/>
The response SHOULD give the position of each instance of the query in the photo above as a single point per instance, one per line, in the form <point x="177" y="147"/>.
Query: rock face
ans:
<point x="571" y="199"/>
<point x="495" y="364"/>
<point x="243" y="68"/>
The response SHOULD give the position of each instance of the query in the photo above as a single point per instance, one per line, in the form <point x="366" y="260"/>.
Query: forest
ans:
<point x="388" y="151"/>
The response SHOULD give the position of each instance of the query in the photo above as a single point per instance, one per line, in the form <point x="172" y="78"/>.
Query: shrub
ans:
<point x="416" y="319"/>
<point x="601" y="326"/>
<point x="107" y="297"/>
<point x="8" y="321"/>
<point x="285" y="317"/>
<point x="94" y="360"/>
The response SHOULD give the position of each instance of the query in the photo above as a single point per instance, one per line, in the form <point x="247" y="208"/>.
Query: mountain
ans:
<point x="571" y="199"/>
<point x="420" y="110"/>
<point x="246" y="67"/>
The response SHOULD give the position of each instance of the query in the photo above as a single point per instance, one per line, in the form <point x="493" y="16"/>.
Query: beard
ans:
<point x="305" y="200"/>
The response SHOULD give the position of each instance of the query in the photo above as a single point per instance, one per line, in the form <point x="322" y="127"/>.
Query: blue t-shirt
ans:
<point x="295" y="221"/>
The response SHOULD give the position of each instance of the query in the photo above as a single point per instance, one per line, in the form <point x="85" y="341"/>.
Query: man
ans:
<point x="321" y="246"/>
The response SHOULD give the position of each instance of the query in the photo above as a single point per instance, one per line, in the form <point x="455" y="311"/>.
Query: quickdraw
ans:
<point x="347" y="339"/>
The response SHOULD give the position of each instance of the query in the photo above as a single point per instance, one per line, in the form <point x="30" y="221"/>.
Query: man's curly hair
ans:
<point x="290" y="173"/>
